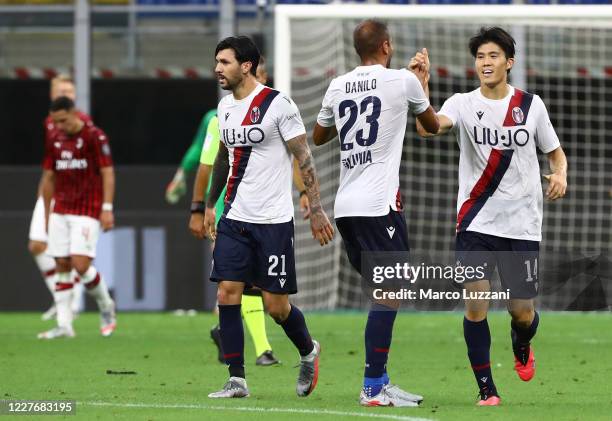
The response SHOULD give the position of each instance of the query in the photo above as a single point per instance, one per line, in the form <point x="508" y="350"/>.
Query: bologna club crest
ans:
<point x="517" y="115"/>
<point x="255" y="113"/>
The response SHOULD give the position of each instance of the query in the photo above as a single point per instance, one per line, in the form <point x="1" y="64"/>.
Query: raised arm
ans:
<point x="425" y="130"/>
<point x="320" y="226"/>
<point x="428" y="123"/>
<point x="557" y="181"/>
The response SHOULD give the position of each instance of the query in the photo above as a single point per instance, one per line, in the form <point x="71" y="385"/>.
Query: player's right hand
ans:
<point x="419" y="65"/>
<point x="420" y="61"/>
<point x="176" y="188"/>
<point x="322" y="229"/>
<point x="210" y="226"/>
<point x="196" y="225"/>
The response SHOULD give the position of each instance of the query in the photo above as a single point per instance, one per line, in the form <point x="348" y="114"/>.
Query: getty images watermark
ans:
<point x="391" y="277"/>
<point x="420" y="277"/>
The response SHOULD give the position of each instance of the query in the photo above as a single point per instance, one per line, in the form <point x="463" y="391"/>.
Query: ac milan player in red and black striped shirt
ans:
<point x="61" y="85"/>
<point x="79" y="175"/>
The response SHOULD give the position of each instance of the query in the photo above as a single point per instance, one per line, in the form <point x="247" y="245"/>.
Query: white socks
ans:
<point x="96" y="287"/>
<point x="62" y="297"/>
<point x="77" y="292"/>
<point x="46" y="265"/>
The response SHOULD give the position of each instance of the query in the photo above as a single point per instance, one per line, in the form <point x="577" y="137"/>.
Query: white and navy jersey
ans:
<point x="500" y="192"/>
<point x="369" y="107"/>
<point x="255" y="130"/>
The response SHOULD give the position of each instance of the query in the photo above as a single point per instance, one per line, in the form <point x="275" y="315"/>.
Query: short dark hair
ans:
<point x="368" y="36"/>
<point x="61" y="103"/>
<point x="244" y="50"/>
<point x="496" y="35"/>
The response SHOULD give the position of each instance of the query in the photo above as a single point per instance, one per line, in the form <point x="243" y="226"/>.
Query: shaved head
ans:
<point x="369" y="36"/>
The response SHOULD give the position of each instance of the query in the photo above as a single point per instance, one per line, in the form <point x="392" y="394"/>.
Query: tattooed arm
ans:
<point x="320" y="226"/>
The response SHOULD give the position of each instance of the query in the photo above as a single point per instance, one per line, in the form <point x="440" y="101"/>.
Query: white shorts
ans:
<point x="38" y="231"/>
<point x="72" y="235"/>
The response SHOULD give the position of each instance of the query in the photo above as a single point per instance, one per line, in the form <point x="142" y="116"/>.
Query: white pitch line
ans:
<point x="317" y="411"/>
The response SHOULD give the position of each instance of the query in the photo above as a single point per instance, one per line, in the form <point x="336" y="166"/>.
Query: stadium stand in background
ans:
<point x="145" y="43"/>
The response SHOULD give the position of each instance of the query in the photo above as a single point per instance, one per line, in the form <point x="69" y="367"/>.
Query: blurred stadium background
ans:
<point x="146" y="77"/>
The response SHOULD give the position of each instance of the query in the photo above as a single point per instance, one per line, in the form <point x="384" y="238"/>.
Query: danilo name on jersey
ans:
<point x="360" y="86"/>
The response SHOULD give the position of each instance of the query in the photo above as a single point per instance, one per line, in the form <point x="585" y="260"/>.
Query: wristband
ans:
<point x="303" y="192"/>
<point x="197" y="207"/>
<point x="107" y="207"/>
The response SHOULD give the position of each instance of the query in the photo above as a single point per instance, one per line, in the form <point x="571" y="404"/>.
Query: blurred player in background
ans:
<point x="499" y="204"/>
<point x="252" y="304"/>
<point x="61" y="85"/>
<point x="369" y="107"/>
<point x="260" y="130"/>
<point x="178" y="186"/>
<point x="79" y="176"/>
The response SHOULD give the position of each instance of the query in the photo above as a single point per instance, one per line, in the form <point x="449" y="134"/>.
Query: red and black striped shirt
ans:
<point x="76" y="161"/>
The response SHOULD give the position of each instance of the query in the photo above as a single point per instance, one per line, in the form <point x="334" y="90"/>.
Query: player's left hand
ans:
<point x="177" y="187"/>
<point x="107" y="220"/>
<point x="305" y="206"/>
<point x="557" y="185"/>
<point x="322" y="229"/>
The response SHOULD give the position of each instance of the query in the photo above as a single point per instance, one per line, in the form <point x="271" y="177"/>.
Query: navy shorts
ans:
<point x="373" y="234"/>
<point x="516" y="260"/>
<point x="256" y="254"/>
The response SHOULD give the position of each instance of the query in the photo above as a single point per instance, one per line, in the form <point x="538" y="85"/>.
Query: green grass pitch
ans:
<point x="175" y="367"/>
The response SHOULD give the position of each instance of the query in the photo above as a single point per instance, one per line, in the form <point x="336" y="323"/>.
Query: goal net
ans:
<point x="563" y="54"/>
